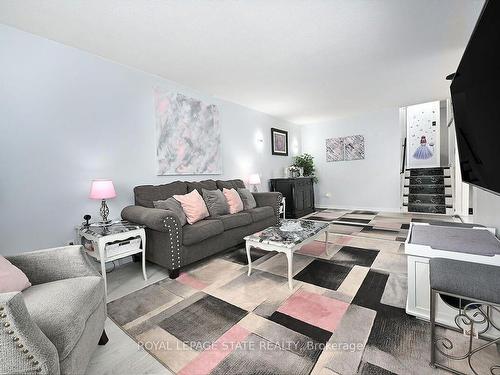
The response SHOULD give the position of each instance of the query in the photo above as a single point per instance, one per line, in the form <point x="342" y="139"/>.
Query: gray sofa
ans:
<point x="54" y="326"/>
<point x="174" y="246"/>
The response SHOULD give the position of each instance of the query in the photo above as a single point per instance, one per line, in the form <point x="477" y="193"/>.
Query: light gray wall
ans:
<point x="68" y="117"/>
<point x="372" y="183"/>
<point x="486" y="208"/>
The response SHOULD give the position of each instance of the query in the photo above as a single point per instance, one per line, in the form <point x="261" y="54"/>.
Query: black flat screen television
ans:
<point x="475" y="93"/>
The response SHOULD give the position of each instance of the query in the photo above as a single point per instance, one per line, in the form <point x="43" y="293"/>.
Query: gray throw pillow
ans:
<point x="247" y="199"/>
<point x="173" y="205"/>
<point x="216" y="202"/>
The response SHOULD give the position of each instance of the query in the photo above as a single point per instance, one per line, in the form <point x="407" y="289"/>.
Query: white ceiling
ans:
<point x="302" y="61"/>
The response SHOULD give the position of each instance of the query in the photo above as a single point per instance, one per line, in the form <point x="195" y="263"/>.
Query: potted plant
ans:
<point x="306" y="162"/>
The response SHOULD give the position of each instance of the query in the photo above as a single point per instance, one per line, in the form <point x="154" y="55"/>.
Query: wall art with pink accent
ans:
<point x="422" y="129"/>
<point x="188" y="137"/>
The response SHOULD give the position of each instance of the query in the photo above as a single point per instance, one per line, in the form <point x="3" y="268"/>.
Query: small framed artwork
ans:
<point x="279" y="142"/>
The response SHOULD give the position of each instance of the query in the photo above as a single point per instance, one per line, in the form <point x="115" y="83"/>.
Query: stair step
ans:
<point x="423" y="189"/>
<point x="427" y="180"/>
<point x="427" y="208"/>
<point x="427" y="198"/>
<point x="431" y="185"/>
<point x="428" y="169"/>
<point x="428" y="204"/>
<point x="444" y="195"/>
<point x="427" y="189"/>
<point x="427" y="172"/>
<point x="448" y="211"/>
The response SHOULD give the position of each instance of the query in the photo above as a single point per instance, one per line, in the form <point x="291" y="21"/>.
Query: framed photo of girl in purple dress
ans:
<point x="279" y="142"/>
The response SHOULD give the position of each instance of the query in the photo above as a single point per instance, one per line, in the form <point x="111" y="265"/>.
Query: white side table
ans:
<point x="95" y="237"/>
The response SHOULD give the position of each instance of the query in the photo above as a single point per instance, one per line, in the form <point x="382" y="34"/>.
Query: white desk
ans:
<point x="418" y="299"/>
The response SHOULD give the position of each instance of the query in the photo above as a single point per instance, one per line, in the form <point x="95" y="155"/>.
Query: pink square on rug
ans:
<point x="314" y="248"/>
<point x="188" y="280"/>
<point x="342" y="240"/>
<point x="315" y="309"/>
<point x="207" y="360"/>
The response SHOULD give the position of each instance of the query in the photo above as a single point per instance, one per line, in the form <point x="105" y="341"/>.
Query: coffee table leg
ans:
<point x="289" y="256"/>
<point x="247" y="245"/>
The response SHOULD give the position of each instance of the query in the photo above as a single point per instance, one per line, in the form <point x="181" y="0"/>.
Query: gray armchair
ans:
<point x="52" y="327"/>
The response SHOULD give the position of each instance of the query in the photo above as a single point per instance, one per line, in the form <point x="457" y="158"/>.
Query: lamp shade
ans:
<point x="254" y="179"/>
<point x="102" y="189"/>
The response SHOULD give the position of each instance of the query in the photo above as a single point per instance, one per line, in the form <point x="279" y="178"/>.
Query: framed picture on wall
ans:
<point x="279" y="142"/>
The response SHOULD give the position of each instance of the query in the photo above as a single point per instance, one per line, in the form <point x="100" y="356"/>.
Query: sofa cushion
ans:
<point x="61" y="308"/>
<point x="231" y="221"/>
<point x="233" y="200"/>
<point x="247" y="199"/>
<point x="230" y="184"/>
<point x="193" y="206"/>
<point x="261" y="213"/>
<point x="145" y="194"/>
<point x="200" y="185"/>
<point x="216" y="202"/>
<point x="201" y="230"/>
<point x="172" y="204"/>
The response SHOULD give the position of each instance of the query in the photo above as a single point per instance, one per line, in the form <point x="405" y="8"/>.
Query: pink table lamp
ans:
<point x="254" y="179"/>
<point x="102" y="189"/>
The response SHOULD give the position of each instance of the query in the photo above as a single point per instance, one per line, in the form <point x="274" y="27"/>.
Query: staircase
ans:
<point x="428" y="190"/>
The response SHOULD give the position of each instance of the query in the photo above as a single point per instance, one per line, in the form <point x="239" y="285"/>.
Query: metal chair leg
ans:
<point x="433" y="327"/>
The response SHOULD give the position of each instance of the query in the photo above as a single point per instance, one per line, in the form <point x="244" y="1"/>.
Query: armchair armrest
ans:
<point x="153" y="218"/>
<point x="58" y="263"/>
<point x="24" y="348"/>
<point x="271" y="198"/>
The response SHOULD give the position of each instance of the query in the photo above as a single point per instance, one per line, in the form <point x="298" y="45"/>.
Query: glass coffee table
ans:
<point x="288" y="237"/>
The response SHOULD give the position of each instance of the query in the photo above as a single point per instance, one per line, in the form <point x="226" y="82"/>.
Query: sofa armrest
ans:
<point x="24" y="349"/>
<point x="163" y="232"/>
<point x="153" y="218"/>
<point x="58" y="263"/>
<point x="271" y="198"/>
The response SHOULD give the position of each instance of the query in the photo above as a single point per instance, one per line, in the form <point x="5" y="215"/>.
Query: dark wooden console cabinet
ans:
<point x="298" y="193"/>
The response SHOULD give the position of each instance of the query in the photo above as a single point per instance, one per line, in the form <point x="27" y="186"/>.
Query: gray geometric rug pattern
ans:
<point x="345" y="314"/>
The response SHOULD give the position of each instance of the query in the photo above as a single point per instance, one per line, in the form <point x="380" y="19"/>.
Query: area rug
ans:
<point x="345" y="314"/>
<point x="371" y="224"/>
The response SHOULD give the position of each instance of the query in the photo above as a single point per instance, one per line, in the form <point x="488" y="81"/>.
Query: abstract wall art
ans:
<point x="345" y="148"/>
<point x="423" y="135"/>
<point x="188" y="137"/>
<point x="354" y="147"/>
<point x="334" y="149"/>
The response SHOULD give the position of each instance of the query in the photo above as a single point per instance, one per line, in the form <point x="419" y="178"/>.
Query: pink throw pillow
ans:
<point x="233" y="200"/>
<point x="193" y="206"/>
<point x="12" y="279"/>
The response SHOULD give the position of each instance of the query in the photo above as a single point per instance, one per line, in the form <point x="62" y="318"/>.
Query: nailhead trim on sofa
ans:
<point x="277" y="207"/>
<point x="175" y="242"/>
